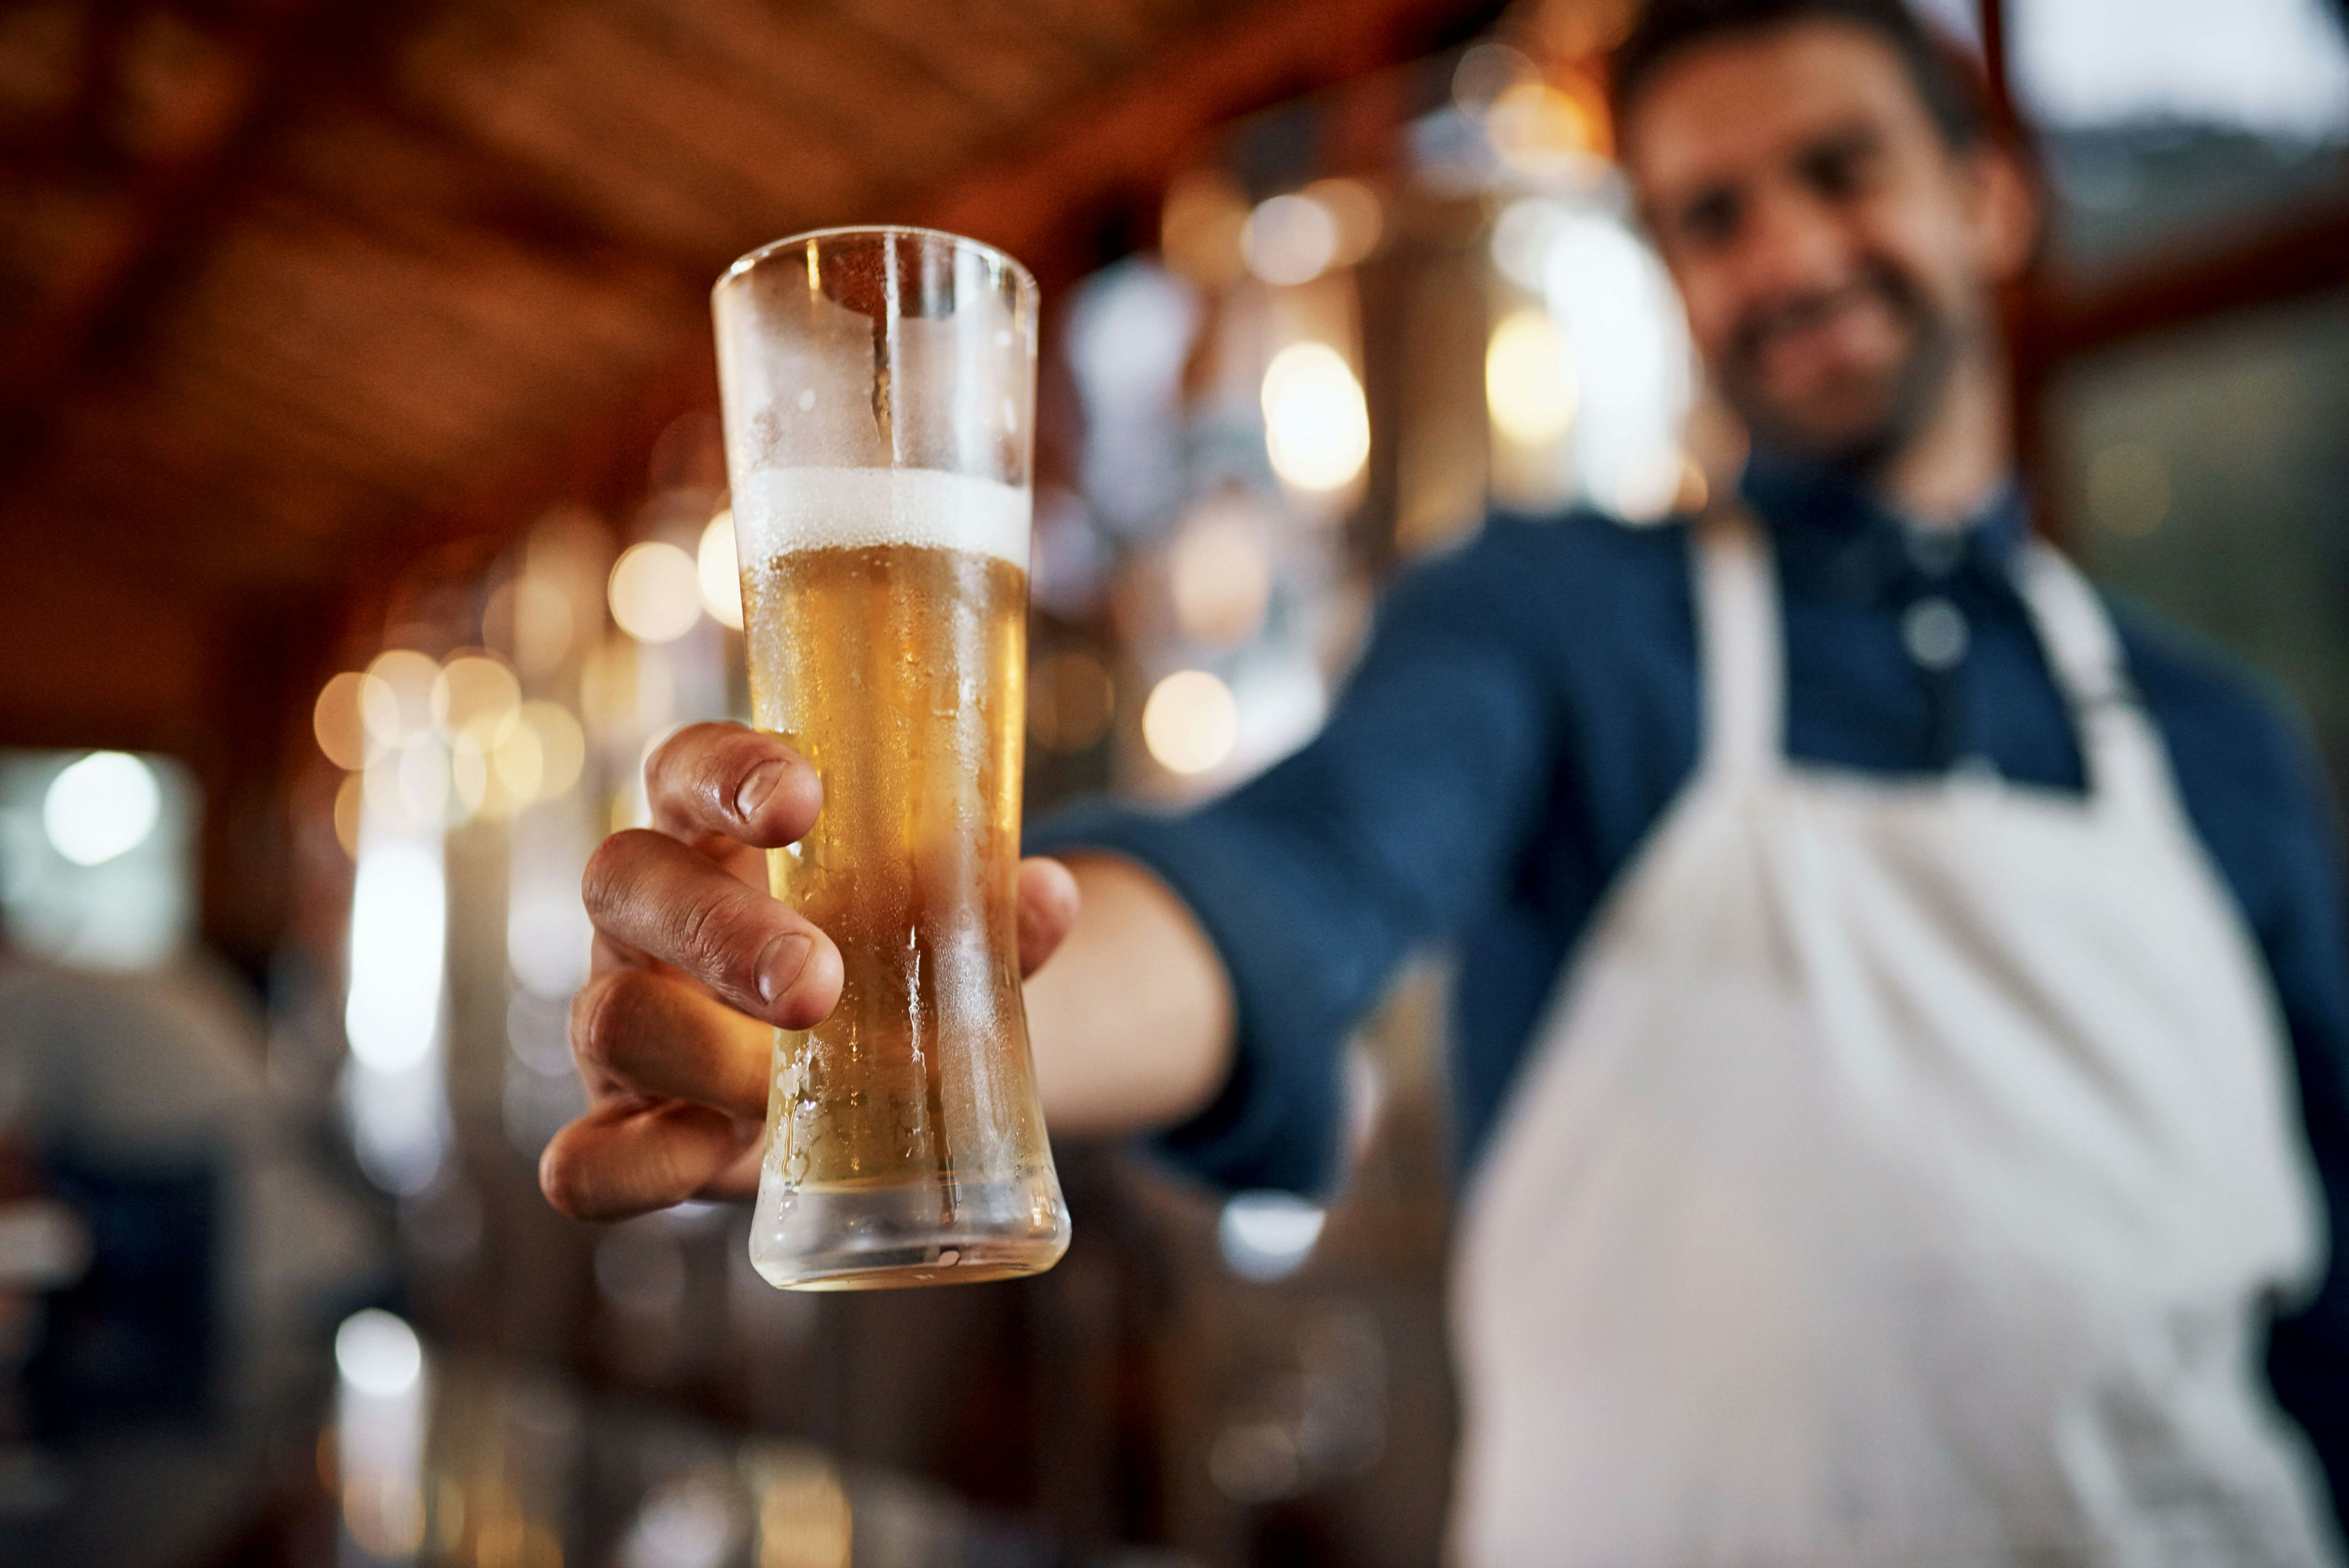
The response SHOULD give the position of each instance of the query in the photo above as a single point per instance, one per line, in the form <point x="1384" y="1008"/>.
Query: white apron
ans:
<point x="1897" y="1174"/>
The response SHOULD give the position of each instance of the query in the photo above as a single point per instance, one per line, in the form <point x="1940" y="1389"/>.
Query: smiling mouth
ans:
<point x="1856" y="325"/>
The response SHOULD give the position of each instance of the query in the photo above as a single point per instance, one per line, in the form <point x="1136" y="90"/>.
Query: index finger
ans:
<point x="730" y="780"/>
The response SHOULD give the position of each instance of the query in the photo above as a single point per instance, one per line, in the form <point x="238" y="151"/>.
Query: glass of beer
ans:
<point x="879" y="387"/>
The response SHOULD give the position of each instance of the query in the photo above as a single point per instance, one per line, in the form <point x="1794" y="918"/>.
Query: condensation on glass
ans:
<point x="879" y="386"/>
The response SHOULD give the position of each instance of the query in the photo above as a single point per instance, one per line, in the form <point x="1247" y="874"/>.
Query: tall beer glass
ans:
<point x="878" y="386"/>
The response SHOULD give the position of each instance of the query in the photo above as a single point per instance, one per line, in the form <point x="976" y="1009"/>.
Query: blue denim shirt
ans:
<point x="1526" y="709"/>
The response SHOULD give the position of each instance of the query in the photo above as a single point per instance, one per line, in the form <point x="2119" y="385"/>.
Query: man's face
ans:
<point x="1835" y="254"/>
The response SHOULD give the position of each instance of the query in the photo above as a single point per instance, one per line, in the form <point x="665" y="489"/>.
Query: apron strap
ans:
<point x="2127" y="765"/>
<point x="1737" y="631"/>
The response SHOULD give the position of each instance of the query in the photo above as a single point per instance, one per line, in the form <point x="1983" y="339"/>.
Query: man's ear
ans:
<point x="2006" y="215"/>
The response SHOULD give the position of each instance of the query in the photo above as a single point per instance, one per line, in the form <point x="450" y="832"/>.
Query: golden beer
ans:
<point x="886" y="619"/>
<point x="879" y="388"/>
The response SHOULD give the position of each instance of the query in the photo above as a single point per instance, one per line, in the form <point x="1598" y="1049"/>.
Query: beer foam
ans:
<point x="780" y="509"/>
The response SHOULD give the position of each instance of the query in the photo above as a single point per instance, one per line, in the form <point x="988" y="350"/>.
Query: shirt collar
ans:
<point x="1834" y="537"/>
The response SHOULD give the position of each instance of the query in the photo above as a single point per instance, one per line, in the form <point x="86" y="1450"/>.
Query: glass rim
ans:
<point x="749" y="260"/>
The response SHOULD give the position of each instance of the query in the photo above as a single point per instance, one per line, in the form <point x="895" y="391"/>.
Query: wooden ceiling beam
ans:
<point x="2271" y="262"/>
<point x="173" y="206"/>
<point x="1132" y="135"/>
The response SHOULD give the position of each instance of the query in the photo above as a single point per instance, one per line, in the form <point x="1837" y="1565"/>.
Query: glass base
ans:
<point x="875" y="1236"/>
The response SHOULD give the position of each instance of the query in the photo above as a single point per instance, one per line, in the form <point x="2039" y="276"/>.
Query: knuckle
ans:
<point x="678" y="752"/>
<point x="721" y="933"/>
<point x="609" y="875"/>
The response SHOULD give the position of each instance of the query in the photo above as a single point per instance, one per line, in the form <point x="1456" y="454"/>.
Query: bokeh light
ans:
<point x="720" y="573"/>
<point x="1523" y="236"/>
<point x="377" y="1354"/>
<point x="399" y="916"/>
<point x="1199" y="228"/>
<point x="519" y="764"/>
<point x="100" y="807"/>
<point x="1487" y="70"/>
<point x="1316" y="426"/>
<point x="656" y="591"/>
<point x="502" y="761"/>
<point x="1359" y="213"/>
<point x="1219" y="577"/>
<point x="1529" y="383"/>
<point x="1190" y="722"/>
<point x="1290" y="239"/>
<point x="1266" y="1235"/>
<point x="409" y="677"/>
<point x="352" y="713"/>
<point x="350" y="800"/>
<point x="562" y="746"/>
<point x="419" y="775"/>
<point x="543" y="629"/>
<point x="469" y="779"/>
<point x="476" y="695"/>
<point x="1652" y="484"/>
<point x="1537" y="130"/>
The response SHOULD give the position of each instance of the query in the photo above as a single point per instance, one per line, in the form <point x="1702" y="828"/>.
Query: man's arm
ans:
<point x="1132" y="1021"/>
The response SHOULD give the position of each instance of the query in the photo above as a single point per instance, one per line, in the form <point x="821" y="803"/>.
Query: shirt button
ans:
<point x="1936" y="552"/>
<point x="1935" y="632"/>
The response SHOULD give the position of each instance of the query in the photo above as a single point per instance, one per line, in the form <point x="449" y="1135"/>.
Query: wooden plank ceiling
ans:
<point x="280" y="279"/>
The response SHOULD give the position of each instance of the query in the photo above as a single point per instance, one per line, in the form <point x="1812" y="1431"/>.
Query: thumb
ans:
<point x="1047" y="908"/>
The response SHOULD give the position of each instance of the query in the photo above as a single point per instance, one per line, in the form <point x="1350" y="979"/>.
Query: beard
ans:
<point x="1861" y="418"/>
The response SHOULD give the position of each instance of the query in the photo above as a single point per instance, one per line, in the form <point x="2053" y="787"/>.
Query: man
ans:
<point x="1899" y="997"/>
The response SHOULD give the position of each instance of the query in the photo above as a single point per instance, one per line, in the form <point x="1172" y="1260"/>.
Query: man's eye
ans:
<point x="1713" y="219"/>
<point x="1837" y="173"/>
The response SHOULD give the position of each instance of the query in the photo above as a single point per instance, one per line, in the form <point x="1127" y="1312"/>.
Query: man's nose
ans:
<point x="1794" y="245"/>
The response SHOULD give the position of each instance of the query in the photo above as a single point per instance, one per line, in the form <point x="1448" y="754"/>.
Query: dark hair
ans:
<point x="1947" y="81"/>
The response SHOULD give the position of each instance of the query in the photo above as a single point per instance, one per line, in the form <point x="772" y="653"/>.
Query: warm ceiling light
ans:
<point x="1220" y="577"/>
<point x="1191" y="722"/>
<point x="1358" y="212"/>
<point x="1487" y="70"/>
<point x="102" y="806"/>
<point x="350" y="800"/>
<point x="543" y="628"/>
<point x="562" y="746"/>
<point x="408" y="676"/>
<point x="1529" y="379"/>
<point x="655" y="592"/>
<point x="353" y="718"/>
<point x="1536" y="129"/>
<point x="1290" y="239"/>
<point x="475" y="692"/>
<point x="1317" y="427"/>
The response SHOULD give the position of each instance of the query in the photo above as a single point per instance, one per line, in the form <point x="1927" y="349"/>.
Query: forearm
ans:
<point x="1132" y="1019"/>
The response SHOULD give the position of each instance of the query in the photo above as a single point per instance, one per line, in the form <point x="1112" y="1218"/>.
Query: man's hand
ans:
<point x="695" y="966"/>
